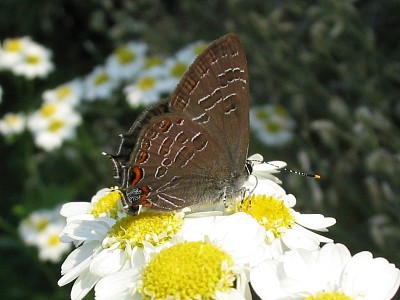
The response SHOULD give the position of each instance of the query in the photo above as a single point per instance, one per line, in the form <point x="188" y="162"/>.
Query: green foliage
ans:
<point x="334" y="65"/>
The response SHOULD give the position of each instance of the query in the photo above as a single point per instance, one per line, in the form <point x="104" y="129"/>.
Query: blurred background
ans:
<point x="324" y="82"/>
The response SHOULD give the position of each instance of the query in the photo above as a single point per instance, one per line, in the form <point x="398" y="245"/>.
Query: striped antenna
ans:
<point x="316" y="176"/>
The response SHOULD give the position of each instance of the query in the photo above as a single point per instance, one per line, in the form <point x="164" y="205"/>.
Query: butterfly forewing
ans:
<point x="215" y="93"/>
<point x="196" y="151"/>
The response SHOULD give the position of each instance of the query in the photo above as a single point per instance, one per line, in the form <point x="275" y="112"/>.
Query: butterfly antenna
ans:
<point x="316" y="176"/>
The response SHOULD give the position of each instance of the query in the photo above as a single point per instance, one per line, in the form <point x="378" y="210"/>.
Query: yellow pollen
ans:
<point x="154" y="228"/>
<point x="33" y="59"/>
<point x="199" y="49"/>
<point x="191" y="270"/>
<point x="329" y="296"/>
<point x="101" y="78"/>
<point x="262" y="114"/>
<point x="48" y="109"/>
<point x="178" y="69"/>
<point x="152" y="62"/>
<point x="107" y="204"/>
<point x="146" y="83"/>
<point x="13" y="45"/>
<point x="124" y="55"/>
<point x="280" y="111"/>
<point x="270" y="212"/>
<point x="56" y="125"/>
<point x="42" y="224"/>
<point x="53" y="240"/>
<point x="11" y="119"/>
<point x="64" y="91"/>
<point x="273" y="127"/>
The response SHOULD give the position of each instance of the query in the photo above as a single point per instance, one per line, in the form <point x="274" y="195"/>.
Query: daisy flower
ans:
<point x="284" y="227"/>
<point x="34" y="60"/>
<point x="272" y="124"/>
<point x="110" y="241"/>
<point x="52" y="124"/>
<point x="12" y="123"/>
<point x="69" y="93"/>
<point x="210" y="263"/>
<point x="41" y="229"/>
<point x="329" y="273"/>
<point x="191" y="51"/>
<point x="99" y="84"/>
<point x="49" y="244"/>
<point x="11" y="51"/>
<point x="147" y="89"/>
<point x="127" y="60"/>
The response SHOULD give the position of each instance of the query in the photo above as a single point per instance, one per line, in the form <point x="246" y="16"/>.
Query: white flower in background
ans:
<point x="42" y="229"/>
<point x="49" y="244"/>
<point x="272" y="124"/>
<point x="173" y="71"/>
<point x="329" y="273"/>
<point x="12" y="123"/>
<point x="216" y="252"/>
<point x="175" y="67"/>
<point x="69" y="93"/>
<point x="99" y="84"/>
<point x="147" y="89"/>
<point x="153" y="62"/>
<point x="32" y="60"/>
<point x="11" y="51"/>
<point x="52" y="124"/>
<point x="284" y="227"/>
<point x="127" y="60"/>
<point x="191" y="51"/>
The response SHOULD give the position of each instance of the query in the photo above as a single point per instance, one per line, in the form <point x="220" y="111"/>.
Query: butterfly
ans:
<point x="192" y="147"/>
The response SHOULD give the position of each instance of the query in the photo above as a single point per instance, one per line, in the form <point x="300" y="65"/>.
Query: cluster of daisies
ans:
<point x="260" y="241"/>
<point x="41" y="229"/>
<point x="143" y="78"/>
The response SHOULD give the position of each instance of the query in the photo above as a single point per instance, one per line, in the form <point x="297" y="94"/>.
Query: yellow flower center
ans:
<point x="262" y="114"/>
<point x="12" y="119"/>
<point x="152" y="62"/>
<point x="107" y="204"/>
<point x="56" y="125"/>
<point x="124" y="55"/>
<point x="53" y="240"/>
<point x="270" y="212"/>
<point x="199" y="49"/>
<point x="13" y="45"/>
<point x="178" y="69"/>
<point x="273" y="127"/>
<point x="42" y="224"/>
<point x="101" y="78"/>
<point x="154" y="228"/>
<point x="48" y="109"/>
<point x="280" y="111"/>
<point x="33" y="59"/>
<point x="64" y="92"/>
<point x="191" y="270"/>
<point x="329" y="296"/>
<point x="146" y="83"/>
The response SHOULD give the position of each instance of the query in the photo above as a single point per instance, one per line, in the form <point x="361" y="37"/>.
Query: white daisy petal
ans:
<point x="107" y="262"/>
<point x="314" y="221"/>
<point x="83" y="285"/>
